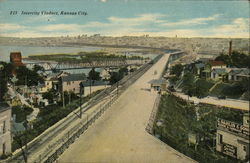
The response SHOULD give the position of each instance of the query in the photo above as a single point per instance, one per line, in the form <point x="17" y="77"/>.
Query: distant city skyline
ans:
<point x="225" y="19"/>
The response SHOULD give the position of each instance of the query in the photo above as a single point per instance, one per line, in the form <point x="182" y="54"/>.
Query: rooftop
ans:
<point x="220" y="70"/>
<point x="74" y="77"/>
<point x="94" y="83"/>
<point x="157" y="81"/>
<point x="216" y="63"/>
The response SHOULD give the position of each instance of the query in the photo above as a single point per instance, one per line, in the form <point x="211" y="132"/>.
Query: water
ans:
<point x="33" y="50"/>
<point x="27" y="50"/>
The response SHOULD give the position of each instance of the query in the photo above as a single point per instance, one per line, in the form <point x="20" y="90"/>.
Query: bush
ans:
<point x="21" y="112"/>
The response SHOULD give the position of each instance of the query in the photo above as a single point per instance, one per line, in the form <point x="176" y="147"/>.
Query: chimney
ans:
<point x="230" y="48"/>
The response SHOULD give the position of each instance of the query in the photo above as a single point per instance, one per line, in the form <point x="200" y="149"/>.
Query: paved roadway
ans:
<point x="119" y="135"/>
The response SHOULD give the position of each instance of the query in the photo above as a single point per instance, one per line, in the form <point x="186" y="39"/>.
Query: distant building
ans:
<point x="71" y="82"/>
<point x="232" y="138"/>
<point x="5" y="129"/>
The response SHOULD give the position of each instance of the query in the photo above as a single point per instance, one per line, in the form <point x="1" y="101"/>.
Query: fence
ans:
<point x="150" y="125"/>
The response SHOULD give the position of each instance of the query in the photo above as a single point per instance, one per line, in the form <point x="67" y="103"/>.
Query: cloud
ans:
<point x="238" y="28"/>
<point x="60" y="27"/>
<point x="143" y="18"/>
<point x="152" y="24"/>
<point x="195" y="21"/>
<point x="11" y="27"/>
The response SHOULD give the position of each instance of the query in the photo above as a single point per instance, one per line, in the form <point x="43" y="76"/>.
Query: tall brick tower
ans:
<point x="16" y="60"/>
<point x="230" y="48"/>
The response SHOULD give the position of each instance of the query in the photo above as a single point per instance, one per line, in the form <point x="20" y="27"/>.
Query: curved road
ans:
<point x="119" y="135"/>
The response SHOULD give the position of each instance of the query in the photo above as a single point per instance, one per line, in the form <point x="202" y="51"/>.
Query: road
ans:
<point x="236" y="104"/>
<point x="119" y="135"/>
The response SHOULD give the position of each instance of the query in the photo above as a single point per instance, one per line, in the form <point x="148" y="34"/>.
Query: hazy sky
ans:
<point x="184" y="18"/>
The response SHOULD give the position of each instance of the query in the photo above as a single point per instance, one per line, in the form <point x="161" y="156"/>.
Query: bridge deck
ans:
<point x="120" y="136"/>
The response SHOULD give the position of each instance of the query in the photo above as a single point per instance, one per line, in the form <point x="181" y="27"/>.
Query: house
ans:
<point x="90" y="86"/>
<point x="71" y="82"/>
<point x="219" y="73"/>
<point x="5" y="129"/>
<point x="237" y="74"/>
<point x="105" y="75"/>
<point x="210" y="65"/>
<point x="158" y="84"/>
<point x="51" y="81"/>
<point x="232" y="138"/>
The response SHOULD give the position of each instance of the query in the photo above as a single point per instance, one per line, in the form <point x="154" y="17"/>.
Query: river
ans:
<point x="33" y="50"/>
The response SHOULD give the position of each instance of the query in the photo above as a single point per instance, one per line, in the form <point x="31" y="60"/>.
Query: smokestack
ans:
<point x="230" y="47"/>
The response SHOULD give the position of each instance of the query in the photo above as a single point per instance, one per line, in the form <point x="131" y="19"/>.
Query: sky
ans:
<point x="184" y="18"/>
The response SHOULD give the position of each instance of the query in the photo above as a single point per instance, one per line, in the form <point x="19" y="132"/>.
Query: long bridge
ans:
<point x="93" y="63"/>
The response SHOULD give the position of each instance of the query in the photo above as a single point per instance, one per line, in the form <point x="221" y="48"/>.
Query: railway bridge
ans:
<point x="91" y="63"/>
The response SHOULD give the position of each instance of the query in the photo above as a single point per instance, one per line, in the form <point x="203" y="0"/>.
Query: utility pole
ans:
<point x="117" y="85"/>
<point x="69" y="97"/>
<point x="63" y="98"/>
<point x="81" y="92"/>
<point x="90" y="91"/>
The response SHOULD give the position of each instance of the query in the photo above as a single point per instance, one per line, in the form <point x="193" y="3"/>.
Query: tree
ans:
<point x="94" y="75"/>
<point x="115" y="77"/>
<point x="176" y="70"/>
<point x="5" y="75"/>
<point x="188" y="84"/>
<point x="237" y="59"/>
<point x="49" y="96"/>
<point x="27" y="76"/>
<point x="123" y="71"/>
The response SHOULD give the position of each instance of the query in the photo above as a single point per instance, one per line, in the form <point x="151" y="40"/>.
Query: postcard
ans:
<point x="124" y="81"/>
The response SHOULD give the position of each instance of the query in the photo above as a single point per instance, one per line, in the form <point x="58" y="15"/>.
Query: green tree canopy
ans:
<point x="5" y="75"/>
<point x="94" y="75"/>
<point x="176" y="70"/>
<point x="25" y="75"/>
<point x="237" y="59"/>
